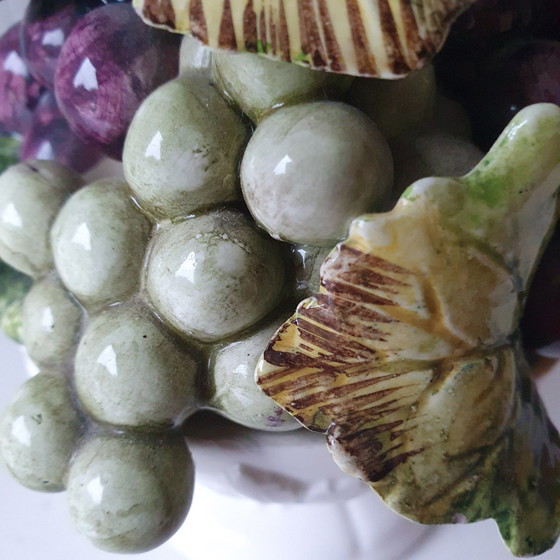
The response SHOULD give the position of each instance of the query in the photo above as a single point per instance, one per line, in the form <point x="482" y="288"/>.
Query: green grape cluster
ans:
<point x="154" y="297"/>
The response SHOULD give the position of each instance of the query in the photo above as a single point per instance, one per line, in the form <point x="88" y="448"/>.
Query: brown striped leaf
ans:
<point x="383" y="38"/>
<point x="408" y="358"/>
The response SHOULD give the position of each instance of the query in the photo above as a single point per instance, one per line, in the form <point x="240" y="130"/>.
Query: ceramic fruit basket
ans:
<point x="333" y="232"/>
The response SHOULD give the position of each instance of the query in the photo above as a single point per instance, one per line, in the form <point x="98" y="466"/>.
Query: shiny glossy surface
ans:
<point x="213" y="276"/>
<point x="107" y="67"/>
<point x="38" y="433"/>
<point x="426" y="401"/>
<point x="99" y="239"/>
<point x="130" y="372"/>
<point x="294" y="187"/>
<point x="128" y="493"/>
<point x="19" y="92"/>
<point x="182" y="150"/>
<point x="51" y="323"/>
<point x="31" y="194"/>
<point x="233" y="391"/>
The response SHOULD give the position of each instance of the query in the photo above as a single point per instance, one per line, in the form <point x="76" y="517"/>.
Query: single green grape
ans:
<point x="31" y="195"/>
<point x="431" y="152"/>
<point x="212" y="276"/>
<point x="182" y="149"/>
<point x="130" y="372"/>
<point x="130" y="493"/>
<point x="259" y="85"/>
<point x="233" y="389"/>
<point x="39" y="432"/>
<point x="310" y="169"/>
<point x="99" y="239"/>
<point x="51" y="323"/>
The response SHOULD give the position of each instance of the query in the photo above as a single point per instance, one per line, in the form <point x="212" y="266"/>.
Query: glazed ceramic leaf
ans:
<point x="409" y="357"/>
<point x="385" y="38"/>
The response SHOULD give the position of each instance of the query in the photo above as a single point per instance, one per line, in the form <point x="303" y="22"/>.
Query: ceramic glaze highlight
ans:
<point x="295" y="188"/>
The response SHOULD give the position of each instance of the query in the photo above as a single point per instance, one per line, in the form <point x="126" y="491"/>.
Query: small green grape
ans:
<point x="38" y="433"/>
<point x="259" y="85"/>
<point x="51" y="323"/>
<point x="234" y="391"/>
<point x="31" y="195"/>
<point x="99" y="239"/>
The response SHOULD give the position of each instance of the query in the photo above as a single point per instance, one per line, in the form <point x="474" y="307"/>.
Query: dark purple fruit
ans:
<point x="546" y="19"/>
<point x="109" y="64"/>
<point x="487" y="19"/>
<point x="19" y="92"/>
<point x="517" y="75"/>
<point x="43" y="34"/>
<point x="540" y="324"/>
<point x="50" y="137"/>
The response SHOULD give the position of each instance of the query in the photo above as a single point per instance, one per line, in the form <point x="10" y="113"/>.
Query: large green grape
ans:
<point x="128" y="493"/>
<point x="129" y="371"/>
<point x="213" y="276"/>
<point x="308" y="170"/>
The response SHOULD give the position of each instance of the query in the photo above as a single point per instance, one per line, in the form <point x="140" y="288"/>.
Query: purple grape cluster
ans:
<point x="72" y="75"/>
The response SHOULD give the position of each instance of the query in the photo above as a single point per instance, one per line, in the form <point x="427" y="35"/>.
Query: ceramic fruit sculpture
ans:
<point x="154" y="296"/>
<point x="409" y="358"/>
<point x="358" y="37"/>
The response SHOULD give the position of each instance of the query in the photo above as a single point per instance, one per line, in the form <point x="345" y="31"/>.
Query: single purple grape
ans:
<point x="108" y="65"/>
<point x="50" y="137"/>
<point x="19" y="92"/>
<point x="43" y="34"/>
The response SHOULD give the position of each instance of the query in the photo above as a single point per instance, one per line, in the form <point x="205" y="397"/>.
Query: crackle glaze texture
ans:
<point x="409" y="357"/>
<point x="359" y="37"/>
